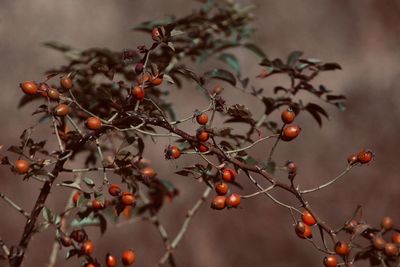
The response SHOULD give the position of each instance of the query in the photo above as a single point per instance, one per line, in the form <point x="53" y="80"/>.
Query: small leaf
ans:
<point x="47" y="215"/>
<point x="231" y="60"/>
<point x="222" y="75"/>
<point x="294" y="57"/>
<point x="89" y="182"/>
<point x="255" y="49"/>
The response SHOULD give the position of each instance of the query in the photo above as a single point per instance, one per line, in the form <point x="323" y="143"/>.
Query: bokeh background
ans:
<point x="362" y="35"/>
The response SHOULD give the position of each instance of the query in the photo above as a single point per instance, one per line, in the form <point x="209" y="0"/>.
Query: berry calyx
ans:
<point x="288" y="116"/>
<point x="128" y="257"/>
<point x="218" y="203"/>
<point x="233" y="201"/>
<point x="202" y="119"/>
<point x="172" y="152"/>
<point x="29" y="87"/>
<point x="128" y="199"/>
<point x="21" y="166"/>
<point x="93" y="123"/>
<point x="290" y="132"/>
<point x="62" y="110"/>
<point x="221" y="188"/>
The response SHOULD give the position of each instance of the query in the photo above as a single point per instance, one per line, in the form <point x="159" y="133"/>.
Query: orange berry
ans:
<point x="387" y="223"/>
<point x="87" y="247"/>
<point x="330" y="261"/>
<point x="172" y="152"/>
<point x="308" y="218"/>
<point x="365" y="156"/>
<point x="138" y="93"/>
<point x="128" y="199"/>
<point x="21" y="166"/>
<point x="66" y="83"/>
<point x="62" y="110"/>
<point x="128" y="257"/>
<point x="228" y="175"/>
<point x="111" y="261"/>
<point x="202" y="136"/>
<point x="114" y="190"/>
<point x="93" y="123"/>
<point x="290" y="132"/>
<point x="76" y="197"/>
<point x="148" y="172"/>
<point x="233" y="201"/>
<point x="221" y="188"/>
<point x="342" y="248"/>
<point x="288" y="116"/>
<point x="218" y="202"/>
<point x="202" y="119"/>
<point x="29" y="87"/>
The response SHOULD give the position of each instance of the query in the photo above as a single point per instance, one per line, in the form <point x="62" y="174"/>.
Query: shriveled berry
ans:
<point x="78" y="235"/>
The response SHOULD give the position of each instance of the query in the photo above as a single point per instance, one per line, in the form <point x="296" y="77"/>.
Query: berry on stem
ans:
<point x="62" y="110"/>
<point x="128" y="257"/>
<point x="365" y="156"/>
<point x="202" y="119"/>
<point x="308" y="218"/>
<point x="66" y="83"/>
<point x="93" y="123"/>
<point x="111" y="261"/>
<point x="330" y="261"/>
<point x="128" y="199"/>
<point x="172" y="152"/>
<point x="138" y="93"/>
<point x="221" y="188"/>
<point x="114" y="190"/>
<point x="290" y="132"/>
<point x="228" y="175"/>
<point x="387" y="223"/>
<point x="87" y="247"/>
<point x="342" y="248"/>
<point x="202" y="136"/>
<point x="218" y="202"/>
<point x="233" y="201"/>
<point x="21" y="166"/>
<point x="29" y="87"/>
<point x="288" y="116"/>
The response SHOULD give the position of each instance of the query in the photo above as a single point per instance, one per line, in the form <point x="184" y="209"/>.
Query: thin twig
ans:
<point x="15" y="206"/>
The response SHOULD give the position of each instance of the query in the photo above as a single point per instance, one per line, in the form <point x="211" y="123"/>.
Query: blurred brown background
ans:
<point x="362" y="35"/>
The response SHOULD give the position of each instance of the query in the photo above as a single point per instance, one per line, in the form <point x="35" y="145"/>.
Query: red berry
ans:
<point x="114" y="190"/>
<point x="156" y="80"/>
<point x="138" y="93"/>
<point x="148" y="172"/>
<point x="396" y="238"/>
<point x="111" y="261"/>
<point x="128" y="199"/>
<point x="228" y="175"/>
<point x="21" y="166"/>
<point x="365" y="156"/>
<point x="87" y="247"/>
<point x="218" y="202"/>
<point x="62" y="110"/>
<point x="330" y="261"/>
<point x="379" y="243"/>
<point x="93" y="123"/>
<point x="308" y="218"/>
<point x="78" y="235"/>
<point x="391" y="250"/>
<point x="290" y="132"/>
<point x="128" y="257"/>
<point x="387" y="223"/>
<point x="66" y="83"/>
<point x="97" y="205"/>
<point x="342" y="248"/>
<point x="53" y="94"/>
<point x="66" y="241"/>
<point x="76" y="197"/>
<point x="202" y="136"/>
<point x="202" y="148"/>
<point x="233" y="201"/>
<point x="288" y="116"/>
<point x="29" y="87"/>
<point x="303" y="230"/>
<point x="221" y="188"/>
<point x="352" y="159"/>
<point x="90" y="265"/>
<point x="202" y="119"/>
<point x="172" y="152"/>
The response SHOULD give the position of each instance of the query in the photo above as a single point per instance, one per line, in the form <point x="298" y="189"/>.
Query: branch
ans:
<point x="15" y="206"/>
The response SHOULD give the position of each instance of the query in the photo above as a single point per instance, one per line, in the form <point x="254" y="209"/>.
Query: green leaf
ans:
<point x="255" y="49"/>
<point x="89" y="182"/>
<point x="294" y="57"/>
<point x="47" y="215"/>
<point x="222" y="75"/>
<point x="231" y="60"/>
<point x="87" y="221"/>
